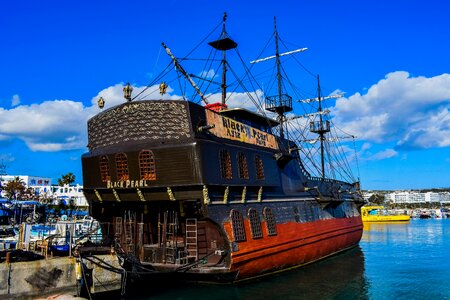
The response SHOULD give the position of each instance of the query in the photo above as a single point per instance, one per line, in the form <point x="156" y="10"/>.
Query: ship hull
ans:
<point x="296" y="245"/>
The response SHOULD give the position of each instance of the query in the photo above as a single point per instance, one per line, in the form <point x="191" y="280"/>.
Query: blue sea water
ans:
<point x="393" y="261"/>
<point x="407" y="261"/>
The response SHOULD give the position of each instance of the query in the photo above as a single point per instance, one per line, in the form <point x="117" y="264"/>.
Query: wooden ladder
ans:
<point x="118" y="227"/>
<point x="171" y="234"/>
<point x="191" y="238"/>
<point x="129" y="237"/>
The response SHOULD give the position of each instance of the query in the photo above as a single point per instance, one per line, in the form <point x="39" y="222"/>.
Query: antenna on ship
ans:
<point x="280" y="103"/>
<point x="224" y="43"/>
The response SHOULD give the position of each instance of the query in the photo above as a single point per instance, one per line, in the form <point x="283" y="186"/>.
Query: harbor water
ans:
<point x="393" y="261"/>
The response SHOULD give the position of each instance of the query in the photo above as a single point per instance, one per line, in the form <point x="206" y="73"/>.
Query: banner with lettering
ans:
<point x="230" y="129"/>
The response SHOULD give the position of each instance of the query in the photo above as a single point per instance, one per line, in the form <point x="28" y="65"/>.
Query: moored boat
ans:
<point x="212" y="193"/>
<point x="380" y="214"/>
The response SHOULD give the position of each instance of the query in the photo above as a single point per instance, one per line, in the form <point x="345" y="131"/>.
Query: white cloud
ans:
<point x="385" y="154"/>
<point x="208" y="74"/>
<point x="15" y="100"/>
<point x="57" y="125"/>
<point x="242" y="100"/>
<point x="44" y="126"/>
<point x="7" y="157"/>
<point x="366" y="146"/>
<point x="414" y="112"/>
<point x="113" y="95"/>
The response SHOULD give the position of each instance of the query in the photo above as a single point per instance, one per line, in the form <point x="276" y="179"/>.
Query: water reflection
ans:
<point x="385" y="231"/>
<point x="422" y="231"/>
<point x="338" y="277"/>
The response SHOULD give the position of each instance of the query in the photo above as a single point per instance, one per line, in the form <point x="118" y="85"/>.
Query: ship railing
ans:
<point x="278" y="103"/>
<point x="330" y="180"/>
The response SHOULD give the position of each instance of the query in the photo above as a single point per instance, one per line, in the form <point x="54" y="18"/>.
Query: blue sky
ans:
<point x="391" y="58"/>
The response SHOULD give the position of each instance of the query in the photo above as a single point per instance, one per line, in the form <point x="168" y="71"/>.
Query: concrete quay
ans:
<point x="54" y="276"/>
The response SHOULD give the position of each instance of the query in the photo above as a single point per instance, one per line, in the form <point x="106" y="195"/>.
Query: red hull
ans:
<point x="296" y="244"/>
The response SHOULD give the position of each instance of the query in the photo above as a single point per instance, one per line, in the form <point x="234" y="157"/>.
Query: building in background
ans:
<point x="36" y="183"/>
<point x="43" y="190"/>
<point x="415" y="197"/>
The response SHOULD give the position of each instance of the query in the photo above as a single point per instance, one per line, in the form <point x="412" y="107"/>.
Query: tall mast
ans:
<point x="320" y="128"/>
<point x="224" y="63"/>
<point x="279" y="103"/>
<point x="321" y="133"/>
<point x="280" y="91"/>
<point x="224" y="43"/>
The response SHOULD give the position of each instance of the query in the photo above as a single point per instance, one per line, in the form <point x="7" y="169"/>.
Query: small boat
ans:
<point x="445" y="212"/>
<point x="424" y="215"/>
<point x="380" y="214"/>
<point x="8" y="238"/>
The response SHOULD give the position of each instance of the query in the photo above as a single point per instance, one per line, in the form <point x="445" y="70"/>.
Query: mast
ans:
<point x="321" y="133"/>
<point x="320" y="128"/>
<point x="278" y="63"/>
<point x="224" y="43"/>
<point x="224" y="63"/>
<point x="280" y="103"/>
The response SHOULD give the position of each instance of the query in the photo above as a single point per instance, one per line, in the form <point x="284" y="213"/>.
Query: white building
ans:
<point x="43" y="188"/>
<point x="37" y="183"/>
<point x="417" y="197"/>
<point x="74" y="193"/>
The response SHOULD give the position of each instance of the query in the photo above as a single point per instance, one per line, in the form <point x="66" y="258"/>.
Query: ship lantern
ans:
<point x="127" y="89"/>
<point x="100" y="102"/>
<point x="163" y="88"/>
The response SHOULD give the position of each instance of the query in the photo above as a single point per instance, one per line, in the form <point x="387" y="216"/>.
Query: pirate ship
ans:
<point x="214" y="193"/>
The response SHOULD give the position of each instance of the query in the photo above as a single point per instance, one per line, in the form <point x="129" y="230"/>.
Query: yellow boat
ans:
<point x="379" y="214"/>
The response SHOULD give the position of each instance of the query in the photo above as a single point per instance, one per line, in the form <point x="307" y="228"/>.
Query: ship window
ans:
<point x="122" y="167"/>
<point x="147" y="165"/>
<point x="104" y="169"/>
<point x="296" y="214"/>
<point x="237" y="224"/>
<point x="270" y="221"/>
<point x="310" y="212"/>
<point x="314" y="215"/>
<point x="259" y="168"/>
<point x="242" y="166"/>
<point x="255" y="223"/>
<point x="225" y="164"/>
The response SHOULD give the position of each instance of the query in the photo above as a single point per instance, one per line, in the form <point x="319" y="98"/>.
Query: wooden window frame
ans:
<point x="296" y="214"/>
<point x="255" y="224"/>
<point x="259" y="168"/>
<point x="237" y="226"/>
<point x="242" y="165"/>
<point x="225" y="164"/>
<point x="122" y="167"/>
<point x="271" y="222"/>
<point x="105" y="175"/>
<point x="147" y="165"/>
